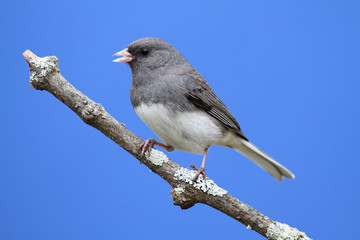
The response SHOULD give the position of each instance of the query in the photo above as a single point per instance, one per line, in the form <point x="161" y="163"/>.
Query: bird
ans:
<point x="178" y="105"/>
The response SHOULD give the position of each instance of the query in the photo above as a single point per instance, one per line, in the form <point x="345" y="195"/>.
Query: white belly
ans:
<point x="186" y="131"/>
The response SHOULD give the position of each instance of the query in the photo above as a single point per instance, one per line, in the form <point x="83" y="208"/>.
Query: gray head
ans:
<point x="150" y="54"/>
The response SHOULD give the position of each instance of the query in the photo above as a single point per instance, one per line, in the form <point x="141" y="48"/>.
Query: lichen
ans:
<point x="281" y="231"/>
<point x="41" y="67"/>
<point x="97" y="110"/>
<point x="156" y="157"/>
<point x="206" y="185"/>
<point x="178" y="191"/>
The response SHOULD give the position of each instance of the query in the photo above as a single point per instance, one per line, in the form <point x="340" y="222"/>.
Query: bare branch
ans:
<point x="45" y="75"/>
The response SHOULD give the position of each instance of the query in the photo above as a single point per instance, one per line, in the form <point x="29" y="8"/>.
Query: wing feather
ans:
<point x="205" y="99"/>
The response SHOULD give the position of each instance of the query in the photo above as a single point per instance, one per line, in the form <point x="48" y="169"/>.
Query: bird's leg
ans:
<point x="201" y="170"/>
<point x="148" y="144"/>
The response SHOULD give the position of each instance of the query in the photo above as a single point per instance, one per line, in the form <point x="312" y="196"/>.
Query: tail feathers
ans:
<point x="263" y="160"/>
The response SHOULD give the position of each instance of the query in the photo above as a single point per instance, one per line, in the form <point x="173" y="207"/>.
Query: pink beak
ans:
<point x="127" y="57"/>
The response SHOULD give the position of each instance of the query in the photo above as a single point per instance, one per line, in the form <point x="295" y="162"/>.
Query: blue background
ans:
<point x="289" y="72"/>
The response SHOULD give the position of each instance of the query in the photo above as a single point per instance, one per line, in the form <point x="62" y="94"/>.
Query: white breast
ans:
<point x="186" y="131"/>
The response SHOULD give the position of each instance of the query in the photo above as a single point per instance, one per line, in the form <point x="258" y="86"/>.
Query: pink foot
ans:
<point x="201" y="171"/>
<point x="146" y="146"/>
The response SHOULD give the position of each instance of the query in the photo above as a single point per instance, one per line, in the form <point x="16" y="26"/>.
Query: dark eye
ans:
<point x="144" y="52"/>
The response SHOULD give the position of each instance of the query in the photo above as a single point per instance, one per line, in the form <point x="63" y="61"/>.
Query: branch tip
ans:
<point x="28" y="55"/>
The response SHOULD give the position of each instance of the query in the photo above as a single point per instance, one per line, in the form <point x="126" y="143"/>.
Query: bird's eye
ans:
<point x="144" y="52"/>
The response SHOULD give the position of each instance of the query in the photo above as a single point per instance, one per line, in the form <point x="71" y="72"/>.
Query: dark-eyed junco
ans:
<point x="176" y="102"/>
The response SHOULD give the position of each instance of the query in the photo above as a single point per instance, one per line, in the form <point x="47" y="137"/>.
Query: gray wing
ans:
<point x="201" y="95"/>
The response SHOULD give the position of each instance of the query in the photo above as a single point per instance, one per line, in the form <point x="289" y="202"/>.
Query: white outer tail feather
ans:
<point x="263" y="160"/>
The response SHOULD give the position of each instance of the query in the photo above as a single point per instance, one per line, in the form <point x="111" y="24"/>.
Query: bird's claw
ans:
<point x="200" y="170"/>
<point x="193" y="167"/>
<point x="146" y="146"/>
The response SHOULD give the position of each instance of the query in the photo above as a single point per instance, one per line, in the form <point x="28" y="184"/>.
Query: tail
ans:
<point x="263" y="160"/>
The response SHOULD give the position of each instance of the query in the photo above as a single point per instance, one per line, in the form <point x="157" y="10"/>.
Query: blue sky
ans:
<point x="288" y="71"/>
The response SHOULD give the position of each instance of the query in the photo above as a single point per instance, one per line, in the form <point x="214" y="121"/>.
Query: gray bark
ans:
<point x="45" y="75"/>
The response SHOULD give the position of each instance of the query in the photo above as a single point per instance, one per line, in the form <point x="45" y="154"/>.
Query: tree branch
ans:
<point x="45" y="75"/>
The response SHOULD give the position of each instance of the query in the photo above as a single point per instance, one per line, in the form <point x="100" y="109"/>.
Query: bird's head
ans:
<point x="150" y="53"/>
